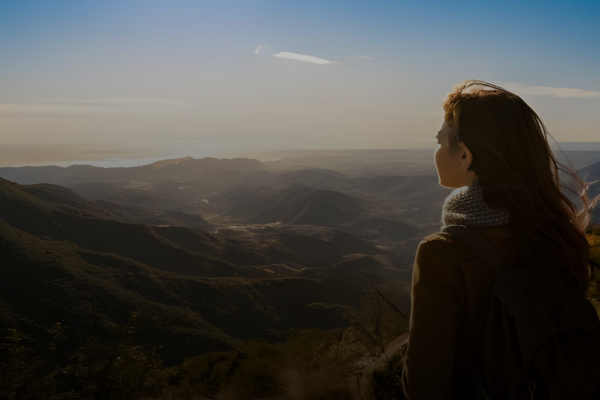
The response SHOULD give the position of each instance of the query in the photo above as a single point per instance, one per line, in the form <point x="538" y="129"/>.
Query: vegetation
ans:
<point x="118" y="364"/>
<point x="119" y="367"/>
<point x="29" y="367"/>
<point x="593" y="236"/>
<point x="95" y="323"/>
<point x="386" y="380"/>
<point x="119" y="361"/>
<point x="82" y="318"/>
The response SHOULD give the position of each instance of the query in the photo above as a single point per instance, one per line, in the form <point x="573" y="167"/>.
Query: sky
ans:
<point x="143" y="78"/>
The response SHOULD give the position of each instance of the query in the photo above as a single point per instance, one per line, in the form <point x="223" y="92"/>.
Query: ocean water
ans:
<point x="110" y="162"/>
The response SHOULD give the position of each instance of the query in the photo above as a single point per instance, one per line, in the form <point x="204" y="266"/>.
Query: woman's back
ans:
<point x="451" y="289"/>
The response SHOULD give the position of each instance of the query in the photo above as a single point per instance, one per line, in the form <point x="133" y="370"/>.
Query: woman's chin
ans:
<point x="451" y="185"/>
<point x="447" y="185"/>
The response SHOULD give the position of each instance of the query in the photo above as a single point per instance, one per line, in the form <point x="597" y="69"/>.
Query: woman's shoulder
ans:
<point x="438" y="258"/>
<point x="444" y="246"/>
<point x="443" y="241"/>
<point x="440" y="250"/>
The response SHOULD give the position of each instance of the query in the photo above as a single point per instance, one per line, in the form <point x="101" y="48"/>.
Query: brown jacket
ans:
<point x="451" y="288"/>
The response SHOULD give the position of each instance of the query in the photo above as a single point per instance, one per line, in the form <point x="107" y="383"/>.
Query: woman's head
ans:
<point x="452" y="158"/>
<point x="502" y="142"/>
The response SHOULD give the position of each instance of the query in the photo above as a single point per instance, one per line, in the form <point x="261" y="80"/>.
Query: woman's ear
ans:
<point x="466" y="157"/>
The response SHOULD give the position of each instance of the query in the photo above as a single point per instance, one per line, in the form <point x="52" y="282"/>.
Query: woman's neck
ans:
<point x="465" y="206"/>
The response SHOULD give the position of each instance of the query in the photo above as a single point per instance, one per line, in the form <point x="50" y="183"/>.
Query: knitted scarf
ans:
<point x="465" y="206"/>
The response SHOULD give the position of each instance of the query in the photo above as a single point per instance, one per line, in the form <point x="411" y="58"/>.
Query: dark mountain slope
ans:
<point x="43" y="282"/>
<point x="133" y="214"/>
<point x="397" y="185"/>
<point x="314" y="177"/>
<point x="198" y="241"/>
<point x="129" y="209"/>
<point x="115" y="194"/>
<point x="300" y="205"/>
<point x="48" y="282"/>
<point x="90" y="231"/>
<point x="177" y="249"/>
<point x="59" y="195"/>
<point x="289" y="204"/>
<point x="320" y="212"/>
<point x="240" y="191"/>
<point x="317" y="252"/>
<point x="191" y="220"/>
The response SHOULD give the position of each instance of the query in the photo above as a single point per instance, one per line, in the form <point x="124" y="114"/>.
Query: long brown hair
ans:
<point x="519" y="172"/>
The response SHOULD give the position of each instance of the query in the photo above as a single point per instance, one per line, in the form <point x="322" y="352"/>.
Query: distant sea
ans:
<point x="579" y="146"/>
<point x="586" y="153"/>
<point x="110" y="162"/>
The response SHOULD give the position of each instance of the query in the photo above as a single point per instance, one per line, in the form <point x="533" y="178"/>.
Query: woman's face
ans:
<point x="452" y="163"/>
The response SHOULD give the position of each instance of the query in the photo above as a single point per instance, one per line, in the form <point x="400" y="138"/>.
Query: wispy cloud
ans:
<point x="364" y="57"/>
<point x="257" y="50"/>
<point x="303" y="57"/>
<point x="557" y="92"/>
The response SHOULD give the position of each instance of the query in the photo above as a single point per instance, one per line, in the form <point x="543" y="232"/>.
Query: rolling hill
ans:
<point x="65" y="259"/>
<point x="302" y="205"/>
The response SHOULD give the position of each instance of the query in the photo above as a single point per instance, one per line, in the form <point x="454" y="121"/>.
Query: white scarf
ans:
<point x="465" y="206"/>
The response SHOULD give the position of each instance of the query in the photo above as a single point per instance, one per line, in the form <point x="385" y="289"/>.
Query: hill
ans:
<point x="302" y="205"/>
<point x="185" y="168"/>
<point x="210" y="193"/>
<point x="65" y="259"/>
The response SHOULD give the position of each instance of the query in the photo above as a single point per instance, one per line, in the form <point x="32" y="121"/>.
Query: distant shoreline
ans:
<point x="31" y="155"/>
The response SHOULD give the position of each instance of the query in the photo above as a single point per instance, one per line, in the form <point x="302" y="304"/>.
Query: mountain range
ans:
<point x="217" y="251"/>
<point x="68" y="259"/>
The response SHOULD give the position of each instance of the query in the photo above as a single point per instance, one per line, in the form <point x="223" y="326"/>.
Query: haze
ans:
<point x="144" y="80"/>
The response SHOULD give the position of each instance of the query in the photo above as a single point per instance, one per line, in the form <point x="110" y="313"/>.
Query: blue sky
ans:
<point x="178" y="74"/>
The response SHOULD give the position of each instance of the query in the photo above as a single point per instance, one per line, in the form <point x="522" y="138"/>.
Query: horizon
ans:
<point x="270" y="155"/>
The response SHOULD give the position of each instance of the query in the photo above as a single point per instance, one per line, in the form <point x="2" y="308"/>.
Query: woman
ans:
<point x="493" y="149"/>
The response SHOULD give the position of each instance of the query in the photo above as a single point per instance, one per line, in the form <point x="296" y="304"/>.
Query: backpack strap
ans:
<point x="480" y="245"/>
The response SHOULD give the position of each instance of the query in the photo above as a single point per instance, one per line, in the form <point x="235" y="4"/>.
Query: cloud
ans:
<point x="555" y="92"/>
<point x="257" y="50"/>
<point x="302" y="57"/>
<point x="364" y="57"/>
